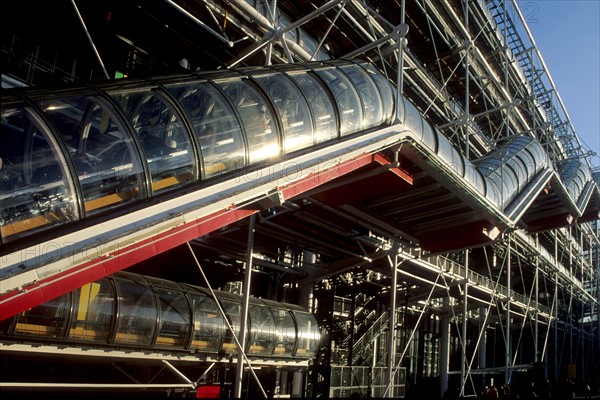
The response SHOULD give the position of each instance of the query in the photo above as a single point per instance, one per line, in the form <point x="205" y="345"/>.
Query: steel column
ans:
<point x="507" y="373"/>
<point x="391" y="356"/>
<point x="239" y="372"/>
<point x="463" y="361"/>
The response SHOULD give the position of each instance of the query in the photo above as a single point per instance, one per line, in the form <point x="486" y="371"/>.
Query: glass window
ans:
<point x="474" y="177"/>
<point x="448" y="153"/>
<point x="346" y="97"/>
<point x="430" y="136"/>
<point x="137" y="313"/>
<point x="216" y="127"/>
<point x="261" y="340"/>
<point x="36" y="191"/>
<point x="174" y="328"/>
<point x="385" y="89"/>
<point x="369" y="94"/>
<point x="320" y="103"/>
<point x="165" y="141"/>
<point x="257" y="118"/>
<point x="285" y="330"/>
<point x="414" y="122"/>
<point x="528" y="162"/>
<point x="308" y="334"/>
<point x="93" y="309"/>
<point x="47" y="320"/>
<point x="104" y="154"/>
<point x="233" y="310"/>
<point x="293" y="111"/>
<point x="209" y="326"/>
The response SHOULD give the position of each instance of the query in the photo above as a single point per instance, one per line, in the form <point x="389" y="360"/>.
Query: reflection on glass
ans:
<point x="233" y="310"/>
<point x="285" y="330"/>
<point x="262" y="337"/>
<point x="174" y="317"/>
<point x="215" y="125"/>
<point x="369" y="94"/>
<point x="103" y="153"/>
<point x="292" y="109"/>
<point x="385" y="89"/>
<point x="308" y="334"/>
<point x="36" y="191"/>
<point x="350" y="108"/>
<point x="93" y="308"/>
<point x="323" y="110"/>
<point x="47" y="320"/>
<point x="257" y="118"/>
<point x="165" y="142"/>
<point x="137" y="314"/>
<point x="209" y="325"/>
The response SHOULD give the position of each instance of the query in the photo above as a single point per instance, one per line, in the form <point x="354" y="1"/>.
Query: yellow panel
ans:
<point x="28" y="224"/>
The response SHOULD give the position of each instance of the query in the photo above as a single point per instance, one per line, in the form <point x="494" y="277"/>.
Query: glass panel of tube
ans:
<point x="136" y="322"/>
<point x="385" y="89"/>
<point x="413" y="121"/>
<point x="308" y="335"/>
<point x="285" y="330"/>
<point x="174" y="317"/>
<point x="257" y="118"/>
<point x="48" y="320"/>
<point x="209" y="325"/>
<point x="216" y="127"/>
<point x="93" y="310"/>
<point x="36" y="191"/>
<point x="104" y="154"/>
<point x="369" y="94"/>
<point x="165" y="141"/>
<point x="233" y="310"/>
<point x="347" y="99"/>
<point x="292" y="109"/>
<point x="262" y="326"/>
<point x="322" y="108"/>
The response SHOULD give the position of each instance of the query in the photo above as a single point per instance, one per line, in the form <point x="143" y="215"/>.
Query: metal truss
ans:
<point x="480" y="81"/>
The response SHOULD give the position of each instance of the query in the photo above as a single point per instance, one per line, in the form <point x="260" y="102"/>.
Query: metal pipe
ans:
<point x="463" y="377"/>
<point x="444" y="349"/>
<point x="537" y="308"/>
<point x="237" y="392"/>
<point x="108" y="386"/>
<point x="402" y="43"/>
<point x="237" y="342"/>
<point x="200" y="23"/>
<point x="507" y="373"/>
<point x="392" y="328"/>
<point x="177" y="372"/>
<point x="87" y="33"/>
<point x="467" y="76"/>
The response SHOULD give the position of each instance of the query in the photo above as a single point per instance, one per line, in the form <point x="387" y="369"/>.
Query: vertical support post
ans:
<point x="556" y="326"/>
<point x="570" y="325"/>
<point x="391" y="356"/>
<point x="444" y="348"/>
<point x="272" y="20"/>
<point x="463" y="361"/>
<point x="537" y="311"/>
<point x="466" y="66"/>
<point x="239" y="372"/>
<point x="483" y="343"/>
<point x="507" y="373"/>
<point x="401" y="46"/>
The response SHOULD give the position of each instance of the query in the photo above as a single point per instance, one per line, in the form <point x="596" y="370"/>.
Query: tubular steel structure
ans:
<point x="405" y="171"/>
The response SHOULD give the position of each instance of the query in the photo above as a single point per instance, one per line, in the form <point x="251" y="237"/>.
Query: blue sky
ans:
<point x="567" y="33"/>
